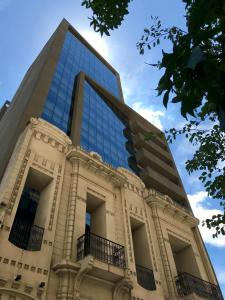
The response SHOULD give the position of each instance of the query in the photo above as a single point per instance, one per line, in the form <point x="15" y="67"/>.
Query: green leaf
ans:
<point x="166" y="98"/>
<point x="176" y="100"/>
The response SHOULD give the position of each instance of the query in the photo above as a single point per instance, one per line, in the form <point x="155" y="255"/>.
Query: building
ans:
<point x="4" y="108"/>
<point x="89" y="209"/>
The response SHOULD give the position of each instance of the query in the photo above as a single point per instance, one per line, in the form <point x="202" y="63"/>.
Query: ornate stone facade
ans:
<point x="131" y="213"/>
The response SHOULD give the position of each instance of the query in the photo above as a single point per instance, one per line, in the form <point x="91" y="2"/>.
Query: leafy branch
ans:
<point x="209" y="159"/>
<point x="107" y="15"/>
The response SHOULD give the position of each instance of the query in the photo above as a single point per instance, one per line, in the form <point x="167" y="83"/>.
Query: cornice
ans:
<point x="131" y="176"/>
<point x="156" y="200"/>
<point x="50" y="134"/>
<point x="94" y="163"/>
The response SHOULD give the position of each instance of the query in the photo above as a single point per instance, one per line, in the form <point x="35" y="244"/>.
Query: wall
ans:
<point x="76" y="175"/>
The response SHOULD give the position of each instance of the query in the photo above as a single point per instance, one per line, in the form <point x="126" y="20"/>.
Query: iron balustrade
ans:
<point x="145" y="278"/>
<point x="188" y="284"/>
<point x="101" y="248"/>
<point x="35" y="239"/>
<point x="26" y="235"/>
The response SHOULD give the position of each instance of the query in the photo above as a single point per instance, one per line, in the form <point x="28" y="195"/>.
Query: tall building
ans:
<point x="89" y="209"/>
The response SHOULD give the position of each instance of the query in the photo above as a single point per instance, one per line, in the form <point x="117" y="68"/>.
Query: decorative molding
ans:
<point x="136" y="216"/>
<point x="127" y="225"/>
<point x="50" y="134"/>
<point x="44" y="164"/>
<point x="42" y="169"/>
<point x="71" y="211"/>
<point x="134" y="189"/>
<point x="18" y="182"/>
<point x="66" y="267"/>
<point x="55" y="195"/>
<point x="96" y="166"/>
<point x="178" y="235"/>
<point x="130" y="175"/>
<point x="136" y="212"/>
<point x="147" y="218"/>
<point x="99" y="195"/>
<point x="86" y="266"/>
<point x="124" y="284"/>
<point x="165" y="204"/>
<point x="26" y="267"/>
<point x="163" y="252"/>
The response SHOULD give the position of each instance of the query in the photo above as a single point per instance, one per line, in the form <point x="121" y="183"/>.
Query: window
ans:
<point x="184" y="257"/>
<point x="67" y="69"/>
<point x="104" y="130"/>
<point x="94" y="240"/>
<point x="145" y="276"/>
<point x="29" y="222"/>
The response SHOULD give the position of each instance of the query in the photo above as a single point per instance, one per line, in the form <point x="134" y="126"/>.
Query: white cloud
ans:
<point x="97" y="42"/>
<point x="130" y="82"/>
<point x="201" y="212"/>
<point x="132" y="79"/>
<point x="4" y="4"/>
<point x="153" y="116"/>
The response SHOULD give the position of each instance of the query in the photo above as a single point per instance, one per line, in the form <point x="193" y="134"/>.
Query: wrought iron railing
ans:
<point x="101" y="248"/>
<point x="188" y="284"/>
<point x="145" y="278"/>
<point x="35" y="239"/>
<point x="25" y="235"/>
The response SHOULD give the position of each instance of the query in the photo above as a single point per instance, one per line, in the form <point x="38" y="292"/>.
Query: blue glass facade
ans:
<point x="102" y="130"/>
<point x="74" y="57"/>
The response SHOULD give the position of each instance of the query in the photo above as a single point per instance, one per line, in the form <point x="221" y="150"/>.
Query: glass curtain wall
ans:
<point x="74" y="57"/>
<point x="102" y="130"/>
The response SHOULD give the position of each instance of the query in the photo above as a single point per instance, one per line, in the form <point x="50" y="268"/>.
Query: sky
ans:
<point x="25" y="26"/>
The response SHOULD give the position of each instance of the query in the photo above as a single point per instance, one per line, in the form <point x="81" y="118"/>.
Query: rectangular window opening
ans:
<point x="144" y="269"/>
<point x="32" y="212"/>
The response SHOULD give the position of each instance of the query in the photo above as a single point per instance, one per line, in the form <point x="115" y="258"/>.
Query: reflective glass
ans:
<point x="74" y="57"/>
<point x="103" y="131"/>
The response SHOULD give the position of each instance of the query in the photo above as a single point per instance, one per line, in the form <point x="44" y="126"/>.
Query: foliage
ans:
<point x="209" y="159"/>
<point x="194" y="77"/>
<point x="107" y="15"/>
<point x="195" y="69"/>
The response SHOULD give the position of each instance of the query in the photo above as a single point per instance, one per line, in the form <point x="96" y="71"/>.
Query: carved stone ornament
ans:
<point x="124" y="284"/>
<point x="96" y="166"/>
<point x="165" y="203"/>
<point x="86" y="266"/>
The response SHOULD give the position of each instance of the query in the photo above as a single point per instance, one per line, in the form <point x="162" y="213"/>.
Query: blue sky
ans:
<point x="25" y="26"/>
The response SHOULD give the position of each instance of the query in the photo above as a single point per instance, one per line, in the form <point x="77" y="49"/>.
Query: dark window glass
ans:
<point x="74" y="57"/>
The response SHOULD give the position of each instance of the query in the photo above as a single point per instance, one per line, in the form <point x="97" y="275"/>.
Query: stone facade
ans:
<point x="154" y="231"/>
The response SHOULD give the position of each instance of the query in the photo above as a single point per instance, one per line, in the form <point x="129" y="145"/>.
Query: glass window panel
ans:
<point x="106" y="130"/>
<point x="76" y="57"/>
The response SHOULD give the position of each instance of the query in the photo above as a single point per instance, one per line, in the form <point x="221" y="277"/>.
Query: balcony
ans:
<point x="155" y="180"/>
<point x="145" y="278"/>
<point x="26" y="236"/>
<point x="188" y="284"/>
<point x="150" y="145"/>
<point x="144" y="158"/>
<point x="138" y="126"/>
<point x="102" y="249"/>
